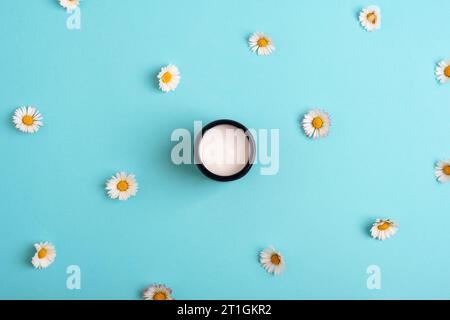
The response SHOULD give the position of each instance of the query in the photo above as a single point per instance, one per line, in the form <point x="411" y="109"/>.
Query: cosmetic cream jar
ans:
<point x="225" y="150"/>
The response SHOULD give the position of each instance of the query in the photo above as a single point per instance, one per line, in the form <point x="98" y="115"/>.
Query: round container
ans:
<point x="225" y="150"/>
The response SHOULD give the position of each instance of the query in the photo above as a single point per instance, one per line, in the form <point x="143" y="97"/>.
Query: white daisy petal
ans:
<point x="272" y="261"/>
<point x="69" y="4"/>
<point x="442" y="171"/>
<point x="261" y="44"/>
<point x="157" y="292"/>
<point x="44" y="256"/>
<point x="27" y="119"/>
<point x="370" y="18"/>
<point x="383" y="229"/>
<point x="121" y="186"/>
<point x="316" y="123"/>
<point x="169" y="78"/>
<point x="443" y="71"/>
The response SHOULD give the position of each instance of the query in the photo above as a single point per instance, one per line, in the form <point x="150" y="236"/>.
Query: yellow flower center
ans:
<point x="42" y="253"/>
<point x="263" y="42"/>
<point x="275" y="259"/>
<point x="317" y="123"/>
<point x="122" y="185"/>
<point x="159" y="296"/>
<point x="372" y="17"/>
<point x="166" y="77"/>
<point x="384" y="226"/>
<point x="27" y="120"/>
<point x="447" y="72"/>
<point x="446" y="170"/>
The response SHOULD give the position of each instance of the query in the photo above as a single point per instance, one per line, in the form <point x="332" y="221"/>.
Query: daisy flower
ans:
<point x="443" y="71"/>
<point x="442" y="172"/>
<point x="44" y="256"/>
<point x="169" y="78"/>
<point x="69" y="4"/>
<point x="261" y="44"/>
<point x="272" y="261"/>
<point x="157" y="292"/>
<point x="122" y="186"/>
<point x="27" y="119"/>
<point x="370" y="18"/>
<point x="316" y="123"/>
<point x="383" y="229"/>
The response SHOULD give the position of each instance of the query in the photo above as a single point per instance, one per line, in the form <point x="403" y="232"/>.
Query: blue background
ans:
<point x="104" y="113"/>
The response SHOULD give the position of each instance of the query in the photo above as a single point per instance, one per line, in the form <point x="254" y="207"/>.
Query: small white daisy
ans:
<point x="27" y="119"/>
<point x="383" y="229"/>
<point x="44" y="256"/>
<point x="157" y="292"/>
<point x="69" y="4"/>
<point x="316" y="123"/>
<point x="272" y="261"/>
<point x="122" y="186"/>
<point x="370" y="18"/>
<point x="261" y="44"/>
<point x="443" y="71"/>
<point x="442" y="172"/>
<point x="169" y="78"/>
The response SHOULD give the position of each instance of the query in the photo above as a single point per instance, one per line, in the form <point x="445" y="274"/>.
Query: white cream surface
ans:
<point x="224" y="150"/>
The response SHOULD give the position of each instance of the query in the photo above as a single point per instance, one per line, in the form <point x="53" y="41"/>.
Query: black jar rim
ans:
<point x="251" y="158"/>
